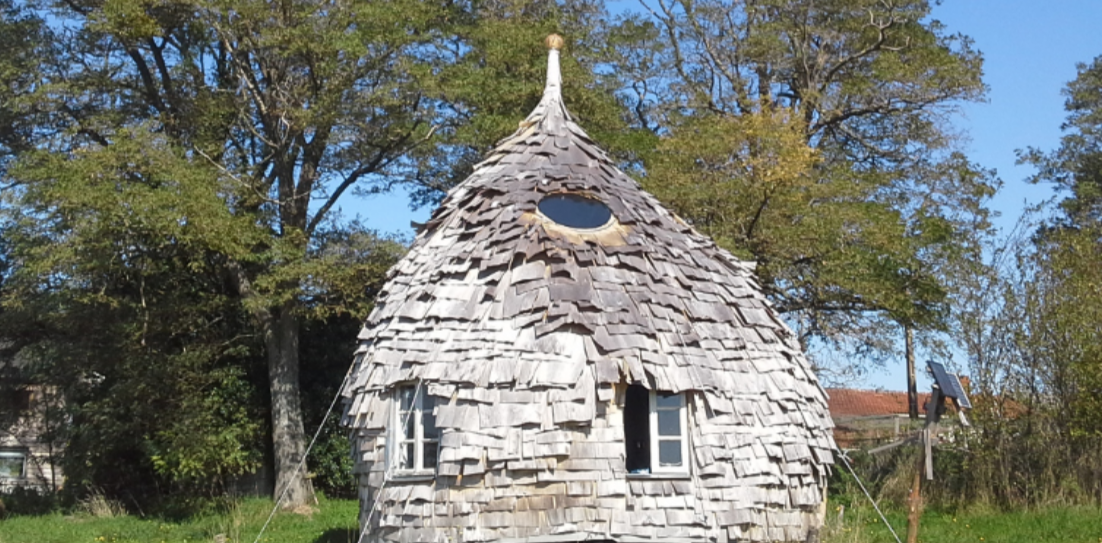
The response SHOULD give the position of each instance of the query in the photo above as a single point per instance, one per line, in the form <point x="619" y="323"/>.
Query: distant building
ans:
<point x="864" y="419"/>
<point x="28" y="413"/>
<point x="867" y="418"/>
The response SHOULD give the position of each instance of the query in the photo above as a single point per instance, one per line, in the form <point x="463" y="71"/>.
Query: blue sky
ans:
<point x="1030" y="51"/>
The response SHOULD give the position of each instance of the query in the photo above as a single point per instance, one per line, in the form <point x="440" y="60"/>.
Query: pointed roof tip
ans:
<point x="554" y="44"/>
<point x="554" y="41"/>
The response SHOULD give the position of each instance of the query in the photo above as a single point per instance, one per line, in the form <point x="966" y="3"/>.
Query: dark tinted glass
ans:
<point x="430" y="455"/>
<point x="428" y="419"/>
<point x="575" y="211"/>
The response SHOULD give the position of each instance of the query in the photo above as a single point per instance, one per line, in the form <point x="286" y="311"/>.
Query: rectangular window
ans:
<point x="655" y="434"/>
<point x="667" y="425"/>
<point x="417" y="440"/>
<point x="13" y="465"/>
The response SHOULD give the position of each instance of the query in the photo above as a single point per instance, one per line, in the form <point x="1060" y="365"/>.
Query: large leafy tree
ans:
<point x="279" y="108"/>
<point x="824" y="137"/>
<point x="122" y="265"/>
<point x="233" y="129"/>
<point x="121" y="301"/>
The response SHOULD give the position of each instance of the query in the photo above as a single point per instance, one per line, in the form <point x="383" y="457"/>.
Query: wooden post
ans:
<point x="914" y="502"/>
<point x="923" y="464"/>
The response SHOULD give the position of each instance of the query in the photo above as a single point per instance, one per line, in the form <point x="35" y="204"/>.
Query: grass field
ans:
<point x="1062" y="525"/>
<point x="334" y="521"/>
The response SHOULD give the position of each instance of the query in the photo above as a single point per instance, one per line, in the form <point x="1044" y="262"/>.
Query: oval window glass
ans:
<point x="575" y="211"/>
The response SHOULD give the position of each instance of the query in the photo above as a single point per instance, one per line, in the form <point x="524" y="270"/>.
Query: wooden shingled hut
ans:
<point x="561" y="358"/>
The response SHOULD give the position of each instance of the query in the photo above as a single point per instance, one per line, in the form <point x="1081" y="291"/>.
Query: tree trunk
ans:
<point x="912" y="383"/>
<point x="288" y="436"/>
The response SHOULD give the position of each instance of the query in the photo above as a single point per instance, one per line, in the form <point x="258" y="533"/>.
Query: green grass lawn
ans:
<point x="1063" y="525"/>
<point x="335" y="522"/>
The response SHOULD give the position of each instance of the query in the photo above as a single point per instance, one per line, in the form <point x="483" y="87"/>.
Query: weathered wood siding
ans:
<point x="26" y="432"/>
<point x="752" y="474"/>
<point x="525" y="330"/>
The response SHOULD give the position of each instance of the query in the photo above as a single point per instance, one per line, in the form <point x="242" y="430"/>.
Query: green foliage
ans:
<point x="857" y="237"/>
<point x="174" y="214"/>
<point x="1029" y="326"/>
<point x="24" y="40"/>
<point x="120" y="254"/>
<point x="1066" y="329"/>
<point x="21" y="501"/>
<point x="1065" y="298"/>
<point x="328" y="347"/>
<point x="1076" y="166"/>
<point x="751" y="182"/>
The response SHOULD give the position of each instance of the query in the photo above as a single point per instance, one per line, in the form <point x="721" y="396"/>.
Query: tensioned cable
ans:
<point x="845" y="460"/>
<point x="302" y="463"/>
<point x="386" y="473"/>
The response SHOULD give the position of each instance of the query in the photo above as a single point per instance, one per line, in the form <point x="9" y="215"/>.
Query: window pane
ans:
<point x="430" y="454"/>
<point x="575" y="210"/>
<point x="406" y="419"/>
<point x="11" y="466"/>
<point x="669" y="453"/>
<point x="408" y="456"/>
<point x="405" y="395"/>
<point x="428" y="420"/>
<point x="667" y="400"/>
<point x="669" y="423"/>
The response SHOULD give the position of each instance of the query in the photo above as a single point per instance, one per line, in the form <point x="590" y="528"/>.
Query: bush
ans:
<point x="26" y="501"/>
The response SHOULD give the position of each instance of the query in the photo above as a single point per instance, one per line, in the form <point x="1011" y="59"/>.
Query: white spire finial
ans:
<point x="554" y="77"/>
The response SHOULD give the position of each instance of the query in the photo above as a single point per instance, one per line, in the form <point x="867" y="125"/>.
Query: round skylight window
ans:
<point x="575" y="210"/>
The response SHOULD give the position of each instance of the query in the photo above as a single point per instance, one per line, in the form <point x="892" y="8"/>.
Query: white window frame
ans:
<point x="398" y="434"/>
<point x="655" y="439"/>
<point x="22" y="455"/>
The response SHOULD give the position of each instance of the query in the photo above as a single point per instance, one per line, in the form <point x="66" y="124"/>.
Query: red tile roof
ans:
<point x="848" y="402"/>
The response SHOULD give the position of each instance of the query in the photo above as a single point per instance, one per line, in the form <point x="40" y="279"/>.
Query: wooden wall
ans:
<point x="509" y="471"/>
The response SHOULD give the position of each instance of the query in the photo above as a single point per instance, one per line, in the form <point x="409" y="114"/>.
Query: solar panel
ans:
<point x="962" y="400"/>
<point x="949" y="384"/>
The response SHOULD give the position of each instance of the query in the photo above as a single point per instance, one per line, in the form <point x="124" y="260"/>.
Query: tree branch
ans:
<point x="881" y="39"/>
<point x="151" y="92"/>
<point x="383" y="157"/>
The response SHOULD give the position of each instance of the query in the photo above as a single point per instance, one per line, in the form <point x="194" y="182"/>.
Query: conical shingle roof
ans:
<point x="514" y="321"/>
